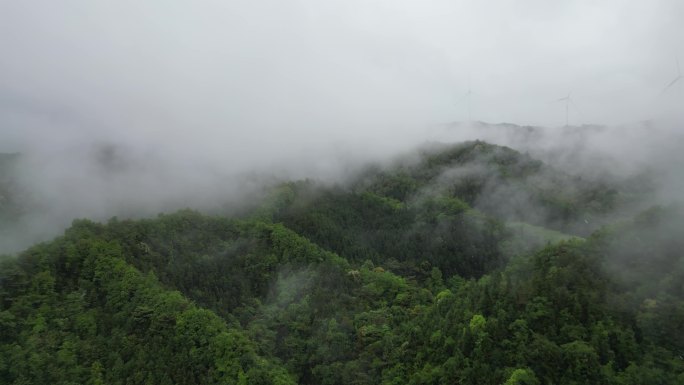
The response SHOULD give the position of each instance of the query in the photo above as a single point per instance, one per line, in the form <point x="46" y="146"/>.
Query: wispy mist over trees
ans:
<point x="341" y="192"/>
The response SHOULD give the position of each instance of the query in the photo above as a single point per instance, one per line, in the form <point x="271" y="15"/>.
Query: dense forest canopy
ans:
<point x="334" y="192"/>
<point x="468" y="263"/>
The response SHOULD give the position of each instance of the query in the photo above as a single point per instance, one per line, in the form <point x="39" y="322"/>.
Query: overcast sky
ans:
<point x="252" y="75"/>
<point x="130" y="108"/>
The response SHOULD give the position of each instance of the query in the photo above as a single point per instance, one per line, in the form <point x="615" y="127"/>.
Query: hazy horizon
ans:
<point x="251" y="76"/>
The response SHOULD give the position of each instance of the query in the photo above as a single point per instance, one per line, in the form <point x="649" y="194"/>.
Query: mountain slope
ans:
<point x="446" y="206"/>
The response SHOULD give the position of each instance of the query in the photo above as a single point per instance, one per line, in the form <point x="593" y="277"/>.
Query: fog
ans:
<point x="132" y="108"/>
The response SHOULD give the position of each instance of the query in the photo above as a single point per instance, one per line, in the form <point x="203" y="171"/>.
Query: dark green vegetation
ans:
<point x="395" y="279"/>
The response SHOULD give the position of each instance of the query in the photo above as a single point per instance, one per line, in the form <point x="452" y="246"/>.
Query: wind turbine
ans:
<point x="568" y="101"/>
<point x="469" y="95"/>
<point x="675" y="80"/>
<point x="567" y="107"/>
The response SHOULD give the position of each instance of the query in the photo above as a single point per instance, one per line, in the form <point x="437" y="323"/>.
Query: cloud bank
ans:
<point x="134" y="107"/>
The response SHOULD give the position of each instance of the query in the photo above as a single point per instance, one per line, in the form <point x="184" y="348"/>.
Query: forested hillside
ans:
<point x="468" y="264"/>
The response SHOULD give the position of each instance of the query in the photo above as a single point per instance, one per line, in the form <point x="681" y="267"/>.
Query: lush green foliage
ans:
<point x="396" y="280"/>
